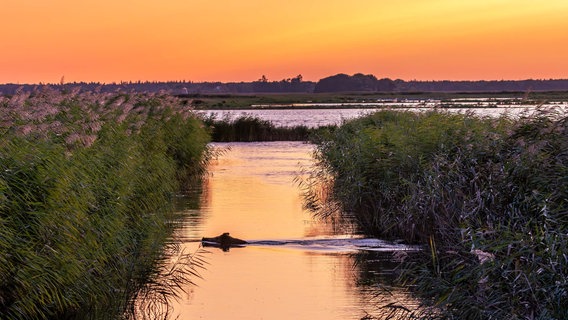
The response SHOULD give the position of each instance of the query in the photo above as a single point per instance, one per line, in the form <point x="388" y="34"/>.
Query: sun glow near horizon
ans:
<point x="240" y="41"/>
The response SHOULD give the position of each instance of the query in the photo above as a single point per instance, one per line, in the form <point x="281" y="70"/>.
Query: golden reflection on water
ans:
<point x="251" y="194"/>
<point x="265" y="283"/>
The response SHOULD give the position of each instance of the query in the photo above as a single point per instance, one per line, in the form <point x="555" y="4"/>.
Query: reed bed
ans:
<point x="86" y="182"/>
<point x="250" y="129"/>
<point x="487" y="197"/>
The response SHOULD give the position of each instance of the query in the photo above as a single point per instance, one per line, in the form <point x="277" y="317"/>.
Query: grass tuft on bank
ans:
<point x="487" y="197"/>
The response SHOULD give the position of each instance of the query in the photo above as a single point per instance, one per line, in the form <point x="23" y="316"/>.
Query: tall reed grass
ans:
<point x="486" y="196"/>
<point x="250" y="129"/>
<point x="86" y="182"/>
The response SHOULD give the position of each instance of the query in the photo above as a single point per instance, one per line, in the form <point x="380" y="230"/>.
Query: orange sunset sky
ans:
<point x="226" y="40"/>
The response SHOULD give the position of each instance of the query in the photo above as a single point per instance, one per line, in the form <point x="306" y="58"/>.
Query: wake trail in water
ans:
<point x="337" y="244"/>
<point x="326" y="244"/>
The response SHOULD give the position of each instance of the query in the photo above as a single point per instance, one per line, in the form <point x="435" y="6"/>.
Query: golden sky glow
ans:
<point x="225" y="40"/>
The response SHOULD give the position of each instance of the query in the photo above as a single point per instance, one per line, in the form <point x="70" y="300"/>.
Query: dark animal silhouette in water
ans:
<point x="224" y="241"/>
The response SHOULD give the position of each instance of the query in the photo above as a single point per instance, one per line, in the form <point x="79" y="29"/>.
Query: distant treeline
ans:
<point x="338" y="83"/>
<point x="369" y="83"/>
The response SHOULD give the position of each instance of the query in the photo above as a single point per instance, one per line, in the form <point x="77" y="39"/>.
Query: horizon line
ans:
<point x="269" y="81"/>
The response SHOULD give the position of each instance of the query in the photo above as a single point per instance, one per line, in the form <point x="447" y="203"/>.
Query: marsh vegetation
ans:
<point x="86" y="182"/>
<point x="486" y="197"/>
<point x="249" y="129"/>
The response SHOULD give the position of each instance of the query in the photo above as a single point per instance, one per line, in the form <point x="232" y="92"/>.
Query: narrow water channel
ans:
<point x="251" y="193"/>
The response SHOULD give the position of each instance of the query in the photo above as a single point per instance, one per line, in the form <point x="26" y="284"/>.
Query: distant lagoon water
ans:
<point x="322" y="114"/>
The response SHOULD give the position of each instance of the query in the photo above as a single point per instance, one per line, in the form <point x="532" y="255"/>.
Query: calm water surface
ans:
<point x="251" y="194"/>
<point x="320" y="117"/>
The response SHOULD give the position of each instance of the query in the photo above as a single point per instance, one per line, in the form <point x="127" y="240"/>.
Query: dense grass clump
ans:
<point x="86" y="182"/>
<point x="486" y="196"/>
<point x="249" y="129"/>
